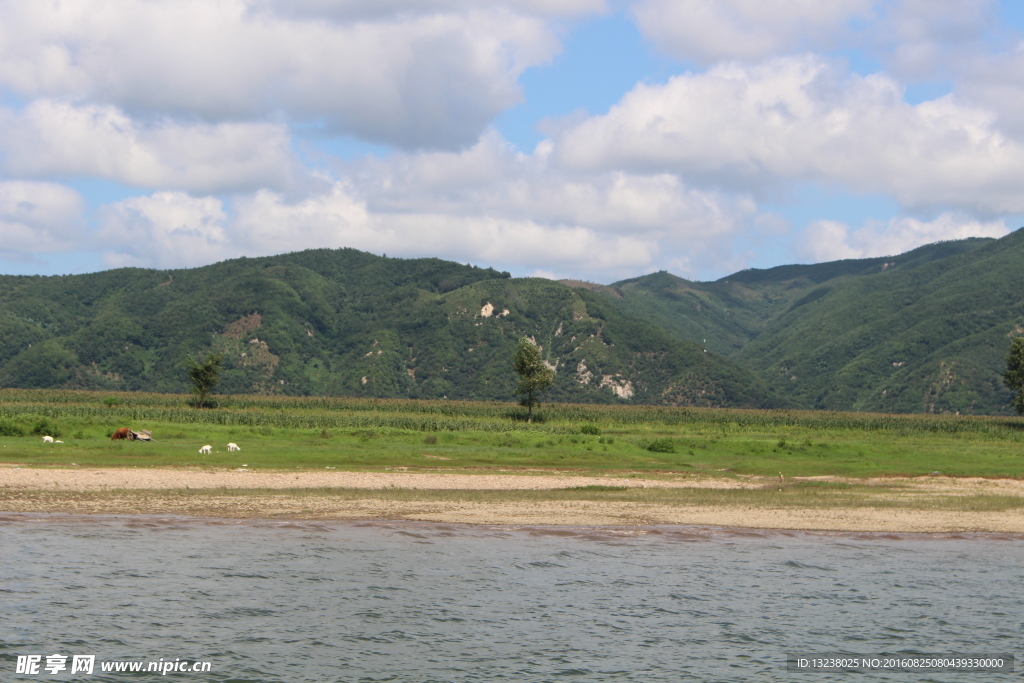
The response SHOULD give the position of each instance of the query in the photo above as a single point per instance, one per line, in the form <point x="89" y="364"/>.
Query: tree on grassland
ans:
<point x="534" y="376"/>
<point x="1013" y="378"/>
<point x="204" y="377"/>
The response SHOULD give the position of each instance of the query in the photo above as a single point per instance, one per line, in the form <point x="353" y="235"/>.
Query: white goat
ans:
<point x="233" y="447"/>
<point x="47" y="439"/>
<point x="205" y="450"/>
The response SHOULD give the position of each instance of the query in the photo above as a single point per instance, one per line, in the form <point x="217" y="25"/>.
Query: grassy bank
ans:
<point x="351" y="434"/>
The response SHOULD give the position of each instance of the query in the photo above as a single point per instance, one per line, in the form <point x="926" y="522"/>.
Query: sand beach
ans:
<point x="897" y="505"/>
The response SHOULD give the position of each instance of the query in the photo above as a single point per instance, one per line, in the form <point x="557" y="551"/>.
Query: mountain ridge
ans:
<point x="922" y="331"/>
<point x="347" y="323"/>
<point x="837" y="335"/>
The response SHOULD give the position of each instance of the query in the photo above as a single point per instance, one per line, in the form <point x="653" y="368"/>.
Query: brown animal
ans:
<point x="122" y="433"/>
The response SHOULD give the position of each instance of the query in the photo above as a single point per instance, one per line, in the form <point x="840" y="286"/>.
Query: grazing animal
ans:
<point x="48" y="439"/>
<point x="233" y="447"/>
<point x="205" y="450"/>
<point x="781" y="478"/>
<point x="122" y="433"/>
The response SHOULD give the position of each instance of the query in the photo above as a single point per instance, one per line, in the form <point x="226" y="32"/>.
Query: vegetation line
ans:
<point x="294" y="433"/>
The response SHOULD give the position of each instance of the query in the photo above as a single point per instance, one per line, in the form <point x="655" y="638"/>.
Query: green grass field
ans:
<point x="357" y="434"/>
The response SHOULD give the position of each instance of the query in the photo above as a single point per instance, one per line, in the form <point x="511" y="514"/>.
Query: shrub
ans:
<point x="590" y="429"/>
<point x="660" y="446"/>
<point x="204" y="403"/>
<point x="10" y="429"/>
<point x="46" y="428"/>
<point x="430" y="440"/>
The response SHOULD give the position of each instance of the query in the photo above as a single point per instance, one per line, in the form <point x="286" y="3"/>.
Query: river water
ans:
<point x="270" y="601"/>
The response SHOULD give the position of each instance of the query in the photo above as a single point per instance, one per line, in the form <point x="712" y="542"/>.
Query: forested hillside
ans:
<point x="925" y="331"/>
<point x="347" y="323"/>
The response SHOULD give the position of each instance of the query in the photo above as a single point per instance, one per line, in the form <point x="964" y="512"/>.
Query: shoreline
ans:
<point x="617" y="532"/>
<point x="892" y="505"/>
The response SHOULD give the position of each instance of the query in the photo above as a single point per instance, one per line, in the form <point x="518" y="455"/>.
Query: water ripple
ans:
<point x="271" y="600"/>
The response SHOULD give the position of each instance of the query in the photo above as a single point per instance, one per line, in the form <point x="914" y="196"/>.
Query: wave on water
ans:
<point x="268" y="600"/>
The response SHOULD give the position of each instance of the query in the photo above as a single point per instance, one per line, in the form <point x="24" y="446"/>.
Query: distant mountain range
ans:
<point x="347" y="323"/>
<point x="925" y="331"/>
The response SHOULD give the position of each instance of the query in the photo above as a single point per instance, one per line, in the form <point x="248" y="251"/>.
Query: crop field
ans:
<point x="286" y="433"/>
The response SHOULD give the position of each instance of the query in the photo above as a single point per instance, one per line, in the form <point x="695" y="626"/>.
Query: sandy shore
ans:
<point x="89" y="479"/>
<point x="150" y="491"/>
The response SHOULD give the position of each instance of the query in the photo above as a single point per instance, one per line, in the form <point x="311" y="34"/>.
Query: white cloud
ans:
<point x="39" y="217"/>
<point x="416" y="80"/>
<point x="165" y="230"/>
<point x="491" y="178"/>
<point x="832" y="240"/>
<point x="997" y="83"/>
<point x="349" y="10"/>
<point x="798" y="119"/>
<point x="64" y="139"/>
<point x="710" y="31"/>
<point x="267" y="223"/>
<point x="914" y="39"/>
<point x="493" y="205"/>
<point x="604" y="223"/>
<point x="175" y="230"/>
<point x="488" y="204"/>
<point x="928" y="39"/>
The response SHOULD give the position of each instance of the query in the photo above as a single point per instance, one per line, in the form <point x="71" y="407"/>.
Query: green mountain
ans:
<point x="925" y="331"/>
<point x="347" y="323"/>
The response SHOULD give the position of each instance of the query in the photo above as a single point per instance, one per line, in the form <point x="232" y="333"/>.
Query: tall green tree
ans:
<point x="204" y="377"/>
<point x="1013" y="378"/>
<point x="534" y="376"/>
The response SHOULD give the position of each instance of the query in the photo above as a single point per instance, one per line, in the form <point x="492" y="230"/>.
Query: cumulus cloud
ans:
<point x="492" y="178"/>
<point x="493" y="205"/>
<point x="165" y="230"/>
<point x="63" y="139"/>
<point x="638" y="219"/>
<point x="997" y="82"/>
<point x="710" y="31"/>
<point x="488" y="204"/>
<point x="39" y="217"/>
<point x="268" y="222"/>
<point x="914" y="39"/>
<point x="929" y="39"/>
<point x="349" y="10"/>
<point x="832" y="240"/>
<point x="411" y="79"/>
<point x="200" y="103"/>
<point x="802" y="118"/>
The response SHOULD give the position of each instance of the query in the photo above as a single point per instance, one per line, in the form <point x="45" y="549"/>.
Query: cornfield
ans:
<point x="434" y="416"/>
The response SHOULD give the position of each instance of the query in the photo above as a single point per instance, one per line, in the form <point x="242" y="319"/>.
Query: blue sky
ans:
<point x="562" y="138"/>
